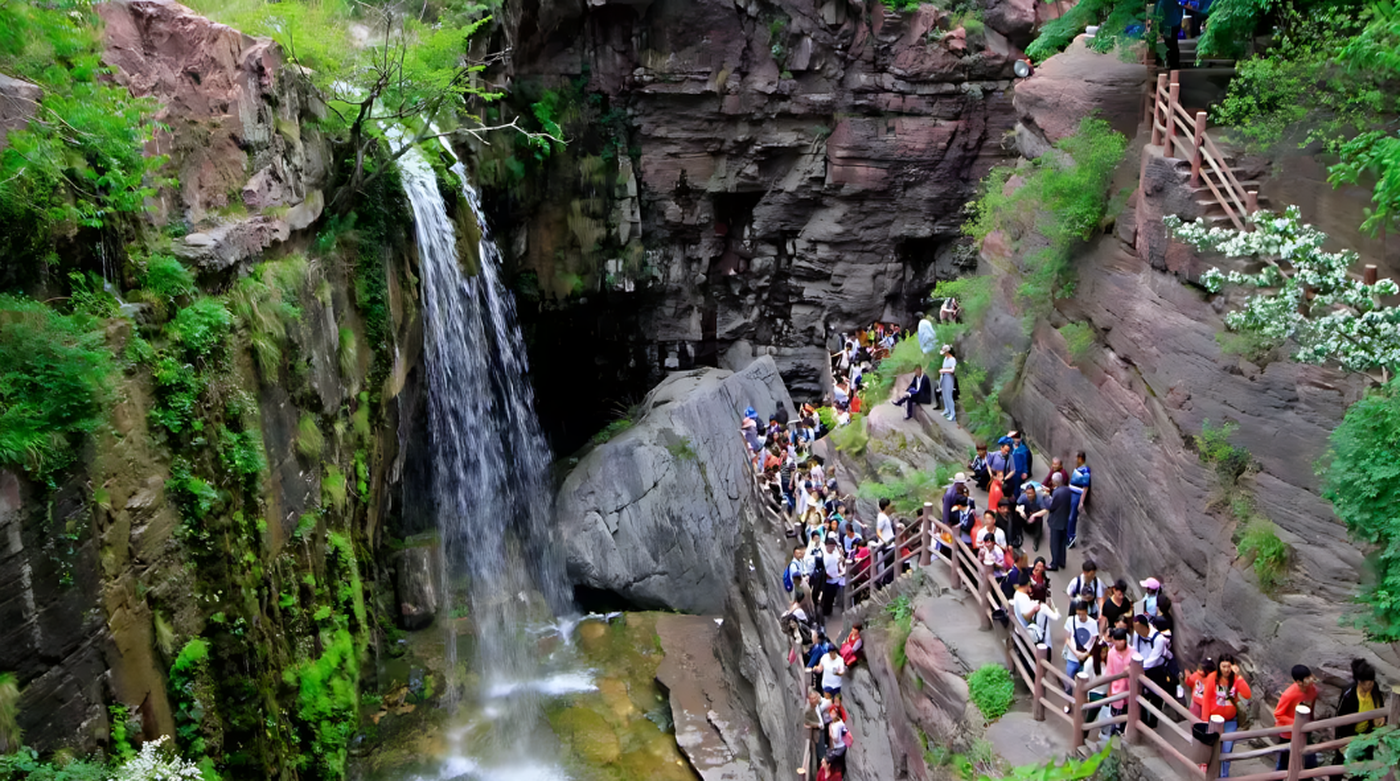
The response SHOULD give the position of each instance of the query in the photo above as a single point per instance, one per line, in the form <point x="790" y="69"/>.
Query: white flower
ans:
<point x="158" y="762"/>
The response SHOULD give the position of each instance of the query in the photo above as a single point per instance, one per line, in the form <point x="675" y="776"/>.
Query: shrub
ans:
<point x="201" y="327"/>
<point x="178" y="387"/>
<point x="1214" y="449"/>
<point x="10" y="735"/>
<point x="974" y="295"/>
<point x="333" y="489"/>
<point x="1260" y="542"/>
<point x="852" y="437"/>
<point x="166" y="276"/>
<point x="348" y="352"/>
<point x="1079" y="340"/>
<point x="991" y="689"/>
<point x="55" y="373"/>
<point x="242" y="452"/>
<point x="901" y="613"/>
<point x="905" y="356"/>
<point x="611" y="430"/>
<point x="906" y="493"/>
<point x="1364" y="489"/>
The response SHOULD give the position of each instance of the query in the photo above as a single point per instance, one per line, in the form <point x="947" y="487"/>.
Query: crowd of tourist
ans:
<point x="1104" y="628"/>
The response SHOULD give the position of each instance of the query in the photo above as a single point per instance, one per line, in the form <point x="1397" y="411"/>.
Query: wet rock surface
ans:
<point x="709" y="722"/>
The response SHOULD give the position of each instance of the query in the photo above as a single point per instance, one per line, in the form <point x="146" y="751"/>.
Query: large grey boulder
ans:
<point x="652" y="515"/>
<point x="18" y="102"/>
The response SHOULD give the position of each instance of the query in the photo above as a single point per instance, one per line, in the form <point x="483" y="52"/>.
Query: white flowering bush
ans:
<point x="158" y="762"/>
<point x="1343" y="321"/>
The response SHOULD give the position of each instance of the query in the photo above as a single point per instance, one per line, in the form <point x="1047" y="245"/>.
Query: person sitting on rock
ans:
<point x="853" y="647"/>
<point x="918" y="392"/>
<point x="1033" y="506"/>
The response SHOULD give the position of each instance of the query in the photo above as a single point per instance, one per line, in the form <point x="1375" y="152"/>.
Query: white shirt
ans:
<point x="1078" y="584"/>
<point x="949" y="362"/>
<point x="1081" y="633"/>
<point x="832" y="560"/>
<point x="1022" y="603"/>
<point x="1153" y="649"/>
<point x="832" y="670"/>
<point x="884" y="528"/>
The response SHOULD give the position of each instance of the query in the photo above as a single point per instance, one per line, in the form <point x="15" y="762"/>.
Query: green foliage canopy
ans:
<point x="1363" y="484"/>
<point x="991" y="689"/>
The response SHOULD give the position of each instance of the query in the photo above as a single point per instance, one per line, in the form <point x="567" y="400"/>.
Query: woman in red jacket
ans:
<point x="1226" y="692"/>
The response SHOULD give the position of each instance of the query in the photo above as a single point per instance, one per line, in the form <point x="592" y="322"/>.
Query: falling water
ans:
<point x="490" y="475"/>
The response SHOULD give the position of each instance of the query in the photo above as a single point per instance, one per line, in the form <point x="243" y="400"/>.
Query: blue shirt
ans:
<point x="1171" y="13"/>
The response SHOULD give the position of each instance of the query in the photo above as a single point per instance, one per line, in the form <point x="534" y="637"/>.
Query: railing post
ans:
<point x="1217" y="726"/>
<point x="1157" y="107"/>
<point x="956" y="568"/>
<point x="1174" y="91"/>
<point x="1042" y="654"/>
<point x="1251" y="202"/>
<point x="1081" y="699"/>
<point x="1130" y="730"/>
<point x="1392" y="714"/>
<point x="1298" y="743"/>
<point x="1369" y="274"/>
<point x="926" y="536"/>
<point x="984" y="597"/>
<point x="1197" y="144"/>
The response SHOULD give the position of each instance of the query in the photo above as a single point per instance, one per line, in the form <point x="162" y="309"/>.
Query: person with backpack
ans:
<point x="838" y="739"/>
<point x="1082" y="635"/>
<point x="1154" y="648"/>
<point x="796" y="573"/>
<point x="1088" y="587"/>
<point x="1227" y="695"/>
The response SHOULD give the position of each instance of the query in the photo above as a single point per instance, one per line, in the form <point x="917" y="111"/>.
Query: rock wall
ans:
<point x="1154" y="377"/>
<point x="791" y="168"/>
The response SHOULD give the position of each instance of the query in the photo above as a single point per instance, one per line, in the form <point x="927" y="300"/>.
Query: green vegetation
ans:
<point x="1364" y="489"/>
<point x="1214" y="449"/>
<point x="903" y="359"/>
<point x="1328" y="79"/>
<point x="79" y="163"/>
<point x="900" y="612"/>
<point x="611" y="430"/>
<point x="981" y="401"/>
<point x="1260" y="543"/>
<point x="10" y="735"/>
<point x="1373" y="756"/>
<point x="853" y="437"/>
<point x="333" y="489"/>
<point x="120" y="743"/>
<point x="906" y="493"/>
<point x="191" y="693"/>
<point x="24" y="765"/>
<point x="1079" y="340"/>
<point x="55" y="374"/>
<point x="991" y="689"/>
<point x="200" y="328"/>
<point x="683" y="450"/>
<point x="310" y="441"/>
<point x="902" y="6"/>
<point x="1063" y="197"/>
<point x="1112" y="16"/>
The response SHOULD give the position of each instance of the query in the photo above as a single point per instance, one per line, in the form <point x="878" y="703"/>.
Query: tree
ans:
<point x="1363" y="486"/>
<point x="1313" y="301"/>
<point x="385" y="75"/>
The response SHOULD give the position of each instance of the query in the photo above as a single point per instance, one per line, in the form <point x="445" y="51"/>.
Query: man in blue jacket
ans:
<point x="1021" y="463"/>
<point x="1169" y="11"/>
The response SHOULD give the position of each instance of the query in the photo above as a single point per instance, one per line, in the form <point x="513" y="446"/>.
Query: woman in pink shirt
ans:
<point x="1120" y="657"/>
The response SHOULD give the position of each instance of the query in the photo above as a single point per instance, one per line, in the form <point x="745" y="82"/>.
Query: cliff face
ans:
<point x="765" y="173"/>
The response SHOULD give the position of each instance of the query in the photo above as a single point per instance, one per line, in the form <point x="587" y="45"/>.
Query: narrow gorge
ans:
<point x="372" y="377"/>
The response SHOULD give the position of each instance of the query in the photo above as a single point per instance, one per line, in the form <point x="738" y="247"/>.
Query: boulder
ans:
<point x="1076" y="83"/>
<point x="1013" y="18"/>
<point x="18" y="102"/>
<point x="650" y="515"/>
<point x="415" y="587"/>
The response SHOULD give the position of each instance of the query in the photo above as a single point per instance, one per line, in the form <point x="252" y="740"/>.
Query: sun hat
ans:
<point x="947" y="348"/>
<point x="960" y="477"/>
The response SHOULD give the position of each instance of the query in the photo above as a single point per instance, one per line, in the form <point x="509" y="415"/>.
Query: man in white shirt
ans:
<point x="834" y="567"/>
<point x="1151" y="645"/>
<point x="797" y="569"/>
<point x="1088" y="580"/>
<point x="884" y="533"/>
<point x="832" y="667"/>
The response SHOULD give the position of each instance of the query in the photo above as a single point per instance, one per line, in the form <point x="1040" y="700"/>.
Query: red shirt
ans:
<point x="1219" y="700"/>
<point x="1292" y="697"/>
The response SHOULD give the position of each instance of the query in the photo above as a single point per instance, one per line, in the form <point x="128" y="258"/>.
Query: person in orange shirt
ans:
<point x="1196" y="682"/>
<point x="1302" y="692"/>
<point x="1226" y="691"/>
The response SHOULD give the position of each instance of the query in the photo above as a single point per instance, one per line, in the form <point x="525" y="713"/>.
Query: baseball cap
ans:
<point x="1151" y="583"/>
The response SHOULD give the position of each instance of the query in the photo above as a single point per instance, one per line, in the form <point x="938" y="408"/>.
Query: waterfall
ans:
<point x="490" y="468"/>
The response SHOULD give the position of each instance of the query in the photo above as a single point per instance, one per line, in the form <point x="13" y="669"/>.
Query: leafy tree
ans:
<point x="405" y="74"/>
<point x="1329" y="314"/>
<point x="1364" y="488"/>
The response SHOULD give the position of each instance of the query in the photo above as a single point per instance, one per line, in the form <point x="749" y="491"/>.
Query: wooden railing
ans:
<point x="1172" y="125"/>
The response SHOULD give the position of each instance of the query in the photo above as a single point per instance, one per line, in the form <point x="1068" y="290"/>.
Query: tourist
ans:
<point x="1168" y="14"/>
<point x="1058" y="465"/>
<point x="1001" y="465"/>
<point x="749" y="428"/>
<point x="1152" y="646"/>
<point x="978" y="467"/>
<point x="884" y="534"/>
<point x="1115" y="605"/>
<point x="1079" y="487"/>
<point x="828" y="771"/>
<point x="838" y="738"/>
<point x="853" y="647"/>
<point x="1082" y="635"/>
<point x="831" y="668"/>
<point x="1040" y="581"/>
<point x="988" y="524"/>
<point x="1058" y="522"/>
<point x="1196" y="683"/>
<point x="834" y="566"/>
<point x="1227" y="693"/>
<point x="849" y="538"/>
<point x="1034" y="616"/>
<point x="797" y="572"/>
<point x="945" y="382"/>
<point x="1363" y="695"/>
<point x="1009" y="521"/>
<point x="796" y="621"/>
<point x="1303" y="691"/>
<point x="918" y="392"/>
<point x="992" y="555"/>
<point x="1088" y="583"/>
<point x="1148" y="605"/>
<point x="1120" y="658"/>
<point x="1020" y="462"/>
<point x="860" y="568"/>
<point x="957" y="489"/>
<point x="1096" y="666"/>
<point x="950" y="312"/>
<point x="964" y="520"/>
<point x="1033" y="508"/>
<point x="1019" y="566"/>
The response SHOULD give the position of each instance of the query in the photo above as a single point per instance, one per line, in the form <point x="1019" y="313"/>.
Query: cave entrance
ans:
<point x="733" y="216"/>
<point x="925" y="261"/>
<point x="590" y="599"/>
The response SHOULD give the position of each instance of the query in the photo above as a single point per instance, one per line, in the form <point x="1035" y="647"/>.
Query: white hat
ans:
<point x="960" y="477"/>
<point x="947" y="348"/>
